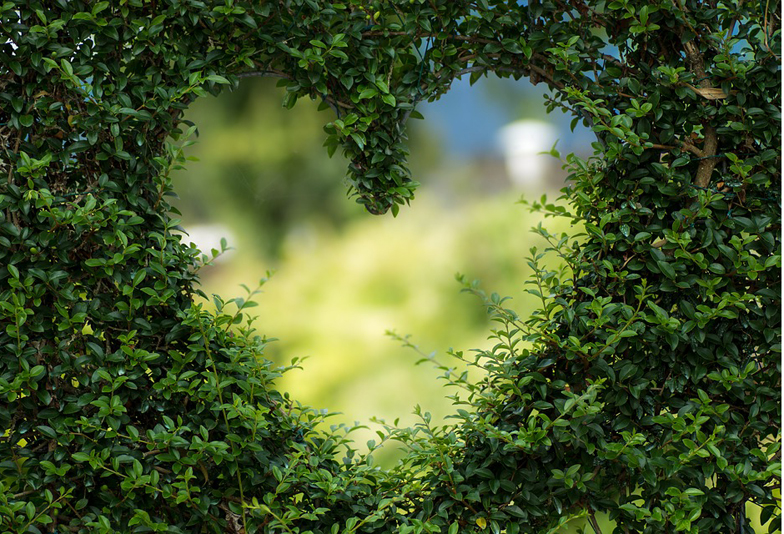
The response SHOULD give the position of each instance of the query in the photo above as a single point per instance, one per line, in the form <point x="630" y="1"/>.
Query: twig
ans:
<point x="594" y="523"/>
<point x="275" y="73"/>
<point x="16" y="151"/>
<point x="684" y="146"/>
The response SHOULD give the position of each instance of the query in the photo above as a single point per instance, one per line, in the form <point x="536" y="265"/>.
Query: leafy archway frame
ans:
<point x="651" y="389"/>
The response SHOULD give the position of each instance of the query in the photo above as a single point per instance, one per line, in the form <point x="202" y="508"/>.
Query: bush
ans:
<point x="650" y="389"/>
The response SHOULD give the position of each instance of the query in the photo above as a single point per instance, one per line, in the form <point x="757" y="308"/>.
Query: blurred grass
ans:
<point x="336" y="293"/>
<point x="344" y="277"/>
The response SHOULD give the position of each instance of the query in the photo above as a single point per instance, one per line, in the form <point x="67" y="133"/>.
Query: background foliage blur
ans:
<point x="347" y="277"/>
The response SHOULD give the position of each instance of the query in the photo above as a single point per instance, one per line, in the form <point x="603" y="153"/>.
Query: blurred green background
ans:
<point x="344" y="277"/>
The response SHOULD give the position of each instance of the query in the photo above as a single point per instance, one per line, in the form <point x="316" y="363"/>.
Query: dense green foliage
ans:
<point x="649" y="385"/>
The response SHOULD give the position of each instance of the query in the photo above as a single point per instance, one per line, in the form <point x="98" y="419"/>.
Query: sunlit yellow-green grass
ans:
<point x="334" y="295"/>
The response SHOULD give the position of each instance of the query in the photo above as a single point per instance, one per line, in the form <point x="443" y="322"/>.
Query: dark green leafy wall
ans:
<point x="650" y="385"/>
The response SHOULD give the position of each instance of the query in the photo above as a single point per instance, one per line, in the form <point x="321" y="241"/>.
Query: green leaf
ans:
<point x="370" y="92"/>
<point x="382" y="86"/>
<point x="217" y="79"/>
<point x="358" y="139"/>
<point x="666" y="269"/>
<point x="139" y="277"/>
<point x="47" y="431"/>
<point x="66" y="66"/>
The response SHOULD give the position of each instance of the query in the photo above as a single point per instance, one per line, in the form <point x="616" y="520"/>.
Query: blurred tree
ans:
<point x="262" y="167"/>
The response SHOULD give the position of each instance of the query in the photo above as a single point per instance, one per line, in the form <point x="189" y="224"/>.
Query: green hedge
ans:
<point x="650" y="386"/>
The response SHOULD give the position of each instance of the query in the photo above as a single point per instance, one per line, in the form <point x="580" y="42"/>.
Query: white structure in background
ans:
<point x="207" y="237"/>
<point x="522" y="142"/>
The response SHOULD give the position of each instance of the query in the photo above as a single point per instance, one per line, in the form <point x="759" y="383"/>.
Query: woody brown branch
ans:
<point x="705" y="170"/>
<point x="683" y="146"/>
